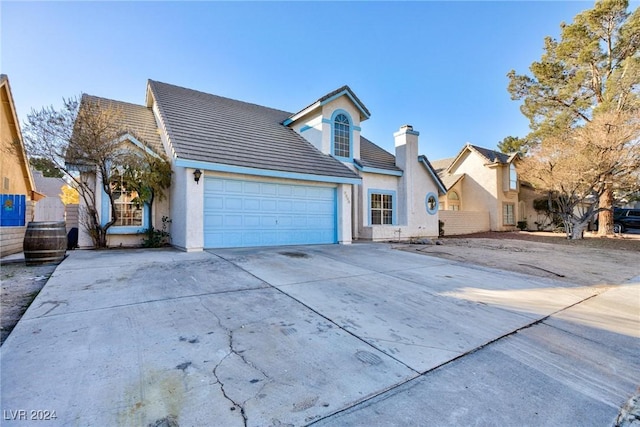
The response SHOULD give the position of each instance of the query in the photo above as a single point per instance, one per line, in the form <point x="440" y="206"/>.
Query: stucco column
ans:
<point x="344" y="199"/>
<point x="406" y="143"/>
<point x="187" y="207"/>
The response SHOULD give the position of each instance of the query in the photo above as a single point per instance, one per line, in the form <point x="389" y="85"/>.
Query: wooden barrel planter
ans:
<point x="45" y="242"/>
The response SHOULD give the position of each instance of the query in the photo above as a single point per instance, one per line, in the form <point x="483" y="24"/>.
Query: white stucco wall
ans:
<point x="345" y="104"/>
<point x="187" y="210"/>
<point x="316" y="126"/>
<point x="310" y="128"/>
<point x="417" y="223"/>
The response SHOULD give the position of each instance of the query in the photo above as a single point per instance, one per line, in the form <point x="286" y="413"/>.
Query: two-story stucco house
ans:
<point x="482" y="191"/>
<point x="249" y="175"/>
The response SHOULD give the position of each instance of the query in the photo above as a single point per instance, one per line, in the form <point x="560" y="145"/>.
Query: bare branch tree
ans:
<point x="84" y="139"/>
<point x="577" y="167"/>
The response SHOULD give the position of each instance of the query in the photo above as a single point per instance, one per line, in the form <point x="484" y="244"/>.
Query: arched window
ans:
<point x="341" y="136"/>
<point x="454" y="201"/>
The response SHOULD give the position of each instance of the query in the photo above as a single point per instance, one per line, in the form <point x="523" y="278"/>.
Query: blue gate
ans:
<point x="13" y="210"/>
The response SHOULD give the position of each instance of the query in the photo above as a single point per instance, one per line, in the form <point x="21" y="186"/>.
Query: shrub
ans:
<point x="155" y="238"/>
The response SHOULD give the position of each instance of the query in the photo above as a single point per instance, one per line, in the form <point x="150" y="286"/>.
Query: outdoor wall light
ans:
<point x="196" y="175"/>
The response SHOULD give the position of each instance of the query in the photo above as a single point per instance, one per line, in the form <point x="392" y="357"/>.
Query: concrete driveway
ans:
<point x="326" y="335"/>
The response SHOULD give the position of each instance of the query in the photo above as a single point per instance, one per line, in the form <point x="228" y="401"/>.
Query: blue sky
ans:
<point x="439" y="66"/>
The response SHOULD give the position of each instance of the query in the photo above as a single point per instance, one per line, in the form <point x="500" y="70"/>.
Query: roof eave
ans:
<point x="346" y="91"/>
<point x="222" y="167"/>
<point x="4" y="81"/>
<point x="441" y="188"/>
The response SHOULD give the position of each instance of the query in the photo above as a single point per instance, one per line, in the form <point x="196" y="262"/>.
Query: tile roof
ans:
<point x="50" y="187"/>
<point x="441" y="165"/>
<point x="137" y="120"/>
<point x="211" y="128"/>
<point x="330" y="95"/>
<point x="492" y="155"/>
<point x="450" y="180"/>
<point x="373" y="156"/>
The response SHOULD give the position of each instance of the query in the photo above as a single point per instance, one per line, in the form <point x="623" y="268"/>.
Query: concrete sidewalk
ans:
<point x="332" y="335"/>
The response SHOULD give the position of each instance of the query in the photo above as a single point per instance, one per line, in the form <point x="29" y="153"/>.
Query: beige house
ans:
<point x="17" y="192"/>
<point x="482" y="191"/>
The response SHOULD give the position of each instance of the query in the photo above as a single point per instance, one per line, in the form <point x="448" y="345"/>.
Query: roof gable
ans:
<point x="137" y="121"/>
<point x="214" y="130"/>
<point x="442" y="189"/>
<point x="491" y="157"/>
<point x="342" y="91"/>
<point x="6" y="97"/>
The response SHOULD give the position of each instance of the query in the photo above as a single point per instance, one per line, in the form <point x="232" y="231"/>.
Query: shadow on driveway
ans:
<point x="333" y="335"/>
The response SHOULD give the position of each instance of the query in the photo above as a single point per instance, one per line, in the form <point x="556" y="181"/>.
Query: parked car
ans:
<point x="624" y="219"/>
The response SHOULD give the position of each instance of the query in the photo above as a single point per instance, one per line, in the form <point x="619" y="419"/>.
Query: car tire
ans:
<point x="618" y="228"/>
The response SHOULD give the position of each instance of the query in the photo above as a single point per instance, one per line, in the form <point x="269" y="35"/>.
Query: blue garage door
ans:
<point x="251" y="213"/>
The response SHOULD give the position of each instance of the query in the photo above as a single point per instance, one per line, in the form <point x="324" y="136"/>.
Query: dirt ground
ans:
<point x="20" y="285"/>
<point x="591" y="261"/>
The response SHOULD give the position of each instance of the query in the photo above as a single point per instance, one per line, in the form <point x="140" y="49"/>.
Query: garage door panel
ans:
<point x="269" y="221"/>
<point x="213" y="203"/>
<point x="269" y="189"/>
<point x="251" y="188"/>
<point x="233" y="204"/>
<point x="269" y="205"/>
<point x="213" y="221"/>
<point x="249" y="213"/>
<point x="251" y="205"/>
<point x="252" y="221"/>
<point x="285" y="190"/>
<point x="232" y="186"/>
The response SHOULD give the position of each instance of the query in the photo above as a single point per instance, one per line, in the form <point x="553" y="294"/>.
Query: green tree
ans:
<point x="592" y="70"/>
<point x="149" y="175"/>
<point x="46" y="166"/>
<point x="604" y="149"/>
<point x="512" y="144"/>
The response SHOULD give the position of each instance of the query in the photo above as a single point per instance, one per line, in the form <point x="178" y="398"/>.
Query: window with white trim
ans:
<point x="381" y="209"/>
<point x="508" y="214"/>
<point x="129" y="211"/>
<point x="341" y="136"/>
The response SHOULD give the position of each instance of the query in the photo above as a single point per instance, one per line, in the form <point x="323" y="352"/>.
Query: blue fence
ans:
<point x="13" y="210"/>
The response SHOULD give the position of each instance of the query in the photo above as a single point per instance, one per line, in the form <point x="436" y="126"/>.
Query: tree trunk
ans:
<point x="577" y="230"/>
<point x="605" y="218"/>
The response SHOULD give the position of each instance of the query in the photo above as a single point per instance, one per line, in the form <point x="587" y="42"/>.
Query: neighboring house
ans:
<point x="18" y="192"/>
<point x="482" y="191"/>
<point x="248" y="175"/>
